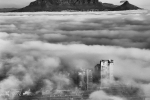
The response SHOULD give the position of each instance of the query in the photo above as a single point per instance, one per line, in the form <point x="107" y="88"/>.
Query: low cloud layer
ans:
<point x="100" y="95"/>
<point x="40" y="45"/>
<point x="125" y="29"/>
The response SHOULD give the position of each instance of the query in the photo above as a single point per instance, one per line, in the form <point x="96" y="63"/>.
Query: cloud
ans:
<point x="42" y="47"/>
<point x="125" y="29"/>
<point x="100" y="95"/>
<point x="79" y="55"/>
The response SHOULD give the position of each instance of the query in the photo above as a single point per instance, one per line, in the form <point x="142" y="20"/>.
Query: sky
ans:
<point x="21" y="3"/>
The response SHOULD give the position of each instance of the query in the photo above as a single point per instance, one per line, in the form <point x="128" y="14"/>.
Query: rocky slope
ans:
<point x="109" y="6"/>
<point x="79" y="5"/>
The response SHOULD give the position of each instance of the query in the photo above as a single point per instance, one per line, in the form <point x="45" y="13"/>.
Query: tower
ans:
<point x="86" y="79"/>
<point x="89" y="79"/>
<point x="106" y="72"/>
<point x="82" y="79"/>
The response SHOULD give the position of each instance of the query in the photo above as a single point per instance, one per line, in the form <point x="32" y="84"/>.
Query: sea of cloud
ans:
<point x="35" y="46"/>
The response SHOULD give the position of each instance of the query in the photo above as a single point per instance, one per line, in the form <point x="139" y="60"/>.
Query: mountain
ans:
<point x="77" y="5"/>
<point x="109" y="6"/>
<point x="59" y="5"/>
<point x="126" y="6"/>
<point x="7" y="9"/>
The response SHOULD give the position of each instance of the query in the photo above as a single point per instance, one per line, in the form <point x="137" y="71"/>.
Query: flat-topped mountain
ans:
<point x="59" y="5"/>
<point x="77" y="5"/>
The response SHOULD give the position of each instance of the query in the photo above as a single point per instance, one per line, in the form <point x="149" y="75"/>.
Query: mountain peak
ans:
<point x="127" y="6"/>
<point x="126" y="2"/>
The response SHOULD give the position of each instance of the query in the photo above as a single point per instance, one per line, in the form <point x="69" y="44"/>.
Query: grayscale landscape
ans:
<point x="75" y="54"/>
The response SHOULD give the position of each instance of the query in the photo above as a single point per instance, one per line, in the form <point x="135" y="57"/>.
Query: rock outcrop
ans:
<point x="77" y="5"/>
<point x="126" y="6"/>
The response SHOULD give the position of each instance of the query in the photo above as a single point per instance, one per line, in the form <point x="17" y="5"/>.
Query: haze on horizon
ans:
<point x="22" y="3"/>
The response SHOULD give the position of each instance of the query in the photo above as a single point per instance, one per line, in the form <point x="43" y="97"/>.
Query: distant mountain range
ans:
<point x="7" y="9"/>
<point x="74" y="5"/>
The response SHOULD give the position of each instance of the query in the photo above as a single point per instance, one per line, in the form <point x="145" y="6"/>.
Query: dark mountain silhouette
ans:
<point x="109" y="6"/>
<point x="126" y="6"/>
<point x="77" y="5"/>
<point x="59" y="5"/>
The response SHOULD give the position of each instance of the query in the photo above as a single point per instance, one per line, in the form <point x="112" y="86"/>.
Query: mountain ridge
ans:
<point x="75" y="5"/>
